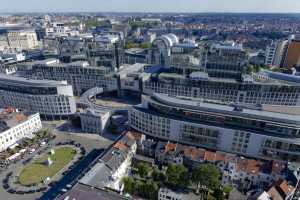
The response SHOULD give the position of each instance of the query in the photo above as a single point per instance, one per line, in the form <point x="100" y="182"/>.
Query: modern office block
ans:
<point x="23" y="39"/>
<point x="292" y="55"/>
<point x="78" y="74"/>
<point x="52" y="99"/>
<point x="250" y="90"/>
<point x="250" y="131"/>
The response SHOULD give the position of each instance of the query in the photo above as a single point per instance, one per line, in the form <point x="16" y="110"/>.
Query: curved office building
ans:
<point x="231" y="128"/>
<point x="52" y="99"/>
<point x="161" y="49"/>
<point x="168" y="40"/>
<point x="246" y="91"/>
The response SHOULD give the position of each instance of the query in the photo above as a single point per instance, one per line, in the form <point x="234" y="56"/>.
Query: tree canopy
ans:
<point x="207" y="175"/>
<point x="143" y="169"/>
<point x="130" y="44"/>
<point x="128" y="185"/>
<point x="177" y="176"/>
<point x="147" y="190"/>
<point x="158" y="175"/>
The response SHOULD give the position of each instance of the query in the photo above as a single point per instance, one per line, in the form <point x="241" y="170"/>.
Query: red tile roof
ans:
<point x="220" y="156"/>
<point x="210" y="156"/>
<point x="170" y="147"/>
<point x="20" y="117"/>
<point x="280" y="190"/>
<point x="133" y="135"/>
<point x="274" y="194"/>
<point x="250" y="166"/>
<point x="194" y="153"/>
<point x="277" y="167"/>
<point x="284" y="186"/>
<point x="120" y="146"/>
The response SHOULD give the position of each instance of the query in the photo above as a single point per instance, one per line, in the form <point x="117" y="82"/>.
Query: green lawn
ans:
<point x="38" y="171"/>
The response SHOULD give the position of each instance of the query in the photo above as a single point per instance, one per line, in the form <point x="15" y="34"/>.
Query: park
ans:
<point x="46" y="166"/>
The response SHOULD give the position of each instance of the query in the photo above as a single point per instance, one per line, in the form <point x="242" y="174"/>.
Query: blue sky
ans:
<point x="151" y="5"/>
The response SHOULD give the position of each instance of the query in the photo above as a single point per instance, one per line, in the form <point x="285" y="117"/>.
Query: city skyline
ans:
<point x="253" y="6"/>
<point x="136" y="99"/>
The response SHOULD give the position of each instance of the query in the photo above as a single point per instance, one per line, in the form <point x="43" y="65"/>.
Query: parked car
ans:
<point x="69" y="186"/>
<point x="64" y="190"/>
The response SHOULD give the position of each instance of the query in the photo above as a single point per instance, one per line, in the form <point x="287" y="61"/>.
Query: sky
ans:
<point x="282" y="6"/>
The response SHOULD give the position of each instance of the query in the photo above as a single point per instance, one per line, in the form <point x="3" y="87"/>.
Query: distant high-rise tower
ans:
<point x="275" y="53"/>
<point x="270" y="53"/>
<point x="292" y="52"/>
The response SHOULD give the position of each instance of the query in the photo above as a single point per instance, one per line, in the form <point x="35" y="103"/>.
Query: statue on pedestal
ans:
<point x="49" y="161"/>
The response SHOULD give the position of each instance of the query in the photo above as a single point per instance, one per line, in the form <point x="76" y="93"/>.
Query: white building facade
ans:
<point x="227" y="91"/>
<point x="52" y="99"/>
<point x="26" y="39"/>
<point x="23" y="129"/>
<point x="94" y="121"/>
<point x="78" y="74"/>
<point x="218" y="127"/>
<point x="167" y="194"/>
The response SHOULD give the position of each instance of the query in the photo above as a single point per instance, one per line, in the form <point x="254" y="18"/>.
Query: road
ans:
<point x="88" y="141"/>
<point x="72" y="177"/>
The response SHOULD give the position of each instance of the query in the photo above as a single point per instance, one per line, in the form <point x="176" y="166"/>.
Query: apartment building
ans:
<point x="15" y="125"/>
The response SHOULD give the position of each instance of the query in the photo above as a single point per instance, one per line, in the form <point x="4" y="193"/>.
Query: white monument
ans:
<point x="49" y="161"/>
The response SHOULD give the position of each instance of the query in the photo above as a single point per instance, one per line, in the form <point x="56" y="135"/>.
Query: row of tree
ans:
<point x="205" y="178"/>
<point x="144" y="45"/>
<point x="147" y="189"/>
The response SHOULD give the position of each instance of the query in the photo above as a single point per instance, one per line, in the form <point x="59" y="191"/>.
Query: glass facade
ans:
<point x="227" y="121"/>
<point x="29" y="90"/>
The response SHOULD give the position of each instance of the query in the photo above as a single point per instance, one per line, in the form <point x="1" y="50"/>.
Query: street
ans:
<point x="93" y="145"/>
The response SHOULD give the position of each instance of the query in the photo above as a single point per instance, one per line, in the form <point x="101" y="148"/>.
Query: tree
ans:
<point x="129" y="185"/>
<point x="94" y="23"/>
<point x="152" y="190"/>
<point x="177" y="176"/>
<point x="218" y="194"/>
<point x="138" y="188"/>
<point x="227" y="190"/>
<point x="145" y="45"/>
<point x="129" y="45"/>
<point x="159" y="176"/>
<point x="143" y="169"/>
<point x="43" y="134"/>
<point x="207" y="175"/>
<point x="147" y="190"/>
<point x="250" y="69"/>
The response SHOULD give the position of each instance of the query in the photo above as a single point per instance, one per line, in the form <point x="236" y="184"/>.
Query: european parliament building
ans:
<point x="250" y="131"/>
<point x="52" y="99"/>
